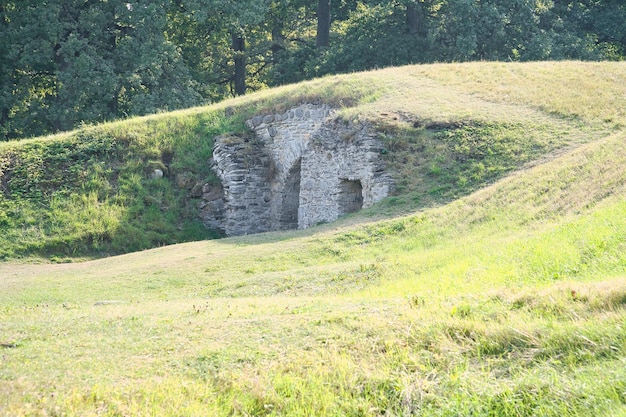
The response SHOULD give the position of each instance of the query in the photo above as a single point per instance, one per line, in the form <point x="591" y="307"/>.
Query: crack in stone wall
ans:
<point x="297" y="169"/>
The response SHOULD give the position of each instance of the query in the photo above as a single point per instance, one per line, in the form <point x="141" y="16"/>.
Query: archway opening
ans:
<point x="350" y="196"/>
<point x="291" y="197"/>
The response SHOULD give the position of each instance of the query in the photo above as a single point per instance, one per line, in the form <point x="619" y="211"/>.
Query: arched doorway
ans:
<point x="291" y="197"/>
<point x="350" y="196"/>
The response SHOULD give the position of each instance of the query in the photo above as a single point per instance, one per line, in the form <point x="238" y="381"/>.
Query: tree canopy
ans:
<point x="67" y="62"/>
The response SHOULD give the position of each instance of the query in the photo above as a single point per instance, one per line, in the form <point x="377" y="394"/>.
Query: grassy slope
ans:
<point x="89" y="193"/>
<point x="510" y="300"/>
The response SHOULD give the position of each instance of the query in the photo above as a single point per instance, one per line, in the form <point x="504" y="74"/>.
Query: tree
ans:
<point x="600" y="22"/>
<point x="291" y="49"/>
<point x="27" y="71"/>
<point x="152" y="74"/>
<point x="80" y="60"/>
<point x="64" y="62"/>
<point x="233" y="32"/>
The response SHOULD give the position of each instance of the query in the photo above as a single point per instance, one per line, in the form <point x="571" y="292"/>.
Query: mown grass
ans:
<point x="425" y="315"/>
<point x="506" y="297"/>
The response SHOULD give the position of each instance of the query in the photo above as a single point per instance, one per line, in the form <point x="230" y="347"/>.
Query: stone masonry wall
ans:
<point x="298" y="169"/>
<point x="241" y="204"/>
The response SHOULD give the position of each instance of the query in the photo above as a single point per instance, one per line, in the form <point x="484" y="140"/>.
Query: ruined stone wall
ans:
<point x="341" y="173"/>
<point x="299" y="168"/>
<point x="240" y="205"/>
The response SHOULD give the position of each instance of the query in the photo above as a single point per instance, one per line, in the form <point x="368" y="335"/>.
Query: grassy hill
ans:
<point x="493" y="283"/>
<point x="449" y="130"/>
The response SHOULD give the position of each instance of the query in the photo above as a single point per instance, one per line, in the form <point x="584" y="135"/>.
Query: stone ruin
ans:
<point x="295" y="170"/>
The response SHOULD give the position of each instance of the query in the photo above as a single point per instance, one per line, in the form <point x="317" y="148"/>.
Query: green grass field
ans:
<point x="492" y="284"/>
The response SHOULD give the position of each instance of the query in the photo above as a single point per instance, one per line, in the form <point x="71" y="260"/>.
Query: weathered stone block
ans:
<point x="156" y="174"/>
<point x="196" y="191"/>
<point x="257" y="120"/>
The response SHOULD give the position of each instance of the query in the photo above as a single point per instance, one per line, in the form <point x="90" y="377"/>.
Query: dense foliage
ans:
<point x="65" y="62"/>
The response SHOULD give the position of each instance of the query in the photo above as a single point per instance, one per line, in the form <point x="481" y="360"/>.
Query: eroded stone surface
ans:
<point x="298" y="169"/>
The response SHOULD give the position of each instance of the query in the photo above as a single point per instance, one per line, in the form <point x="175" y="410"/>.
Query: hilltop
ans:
<point x="492" y="283"/>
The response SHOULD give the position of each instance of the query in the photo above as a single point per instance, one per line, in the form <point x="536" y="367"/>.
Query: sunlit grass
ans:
<point x="506" y="297"/>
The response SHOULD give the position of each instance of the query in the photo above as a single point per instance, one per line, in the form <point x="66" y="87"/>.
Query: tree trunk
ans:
<point x="411" y="18"/>
<point x="278" y="40"/>
<point x="239" y="76"/>
<point x="323" y="23"/>
<point x="415" y="18"/>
